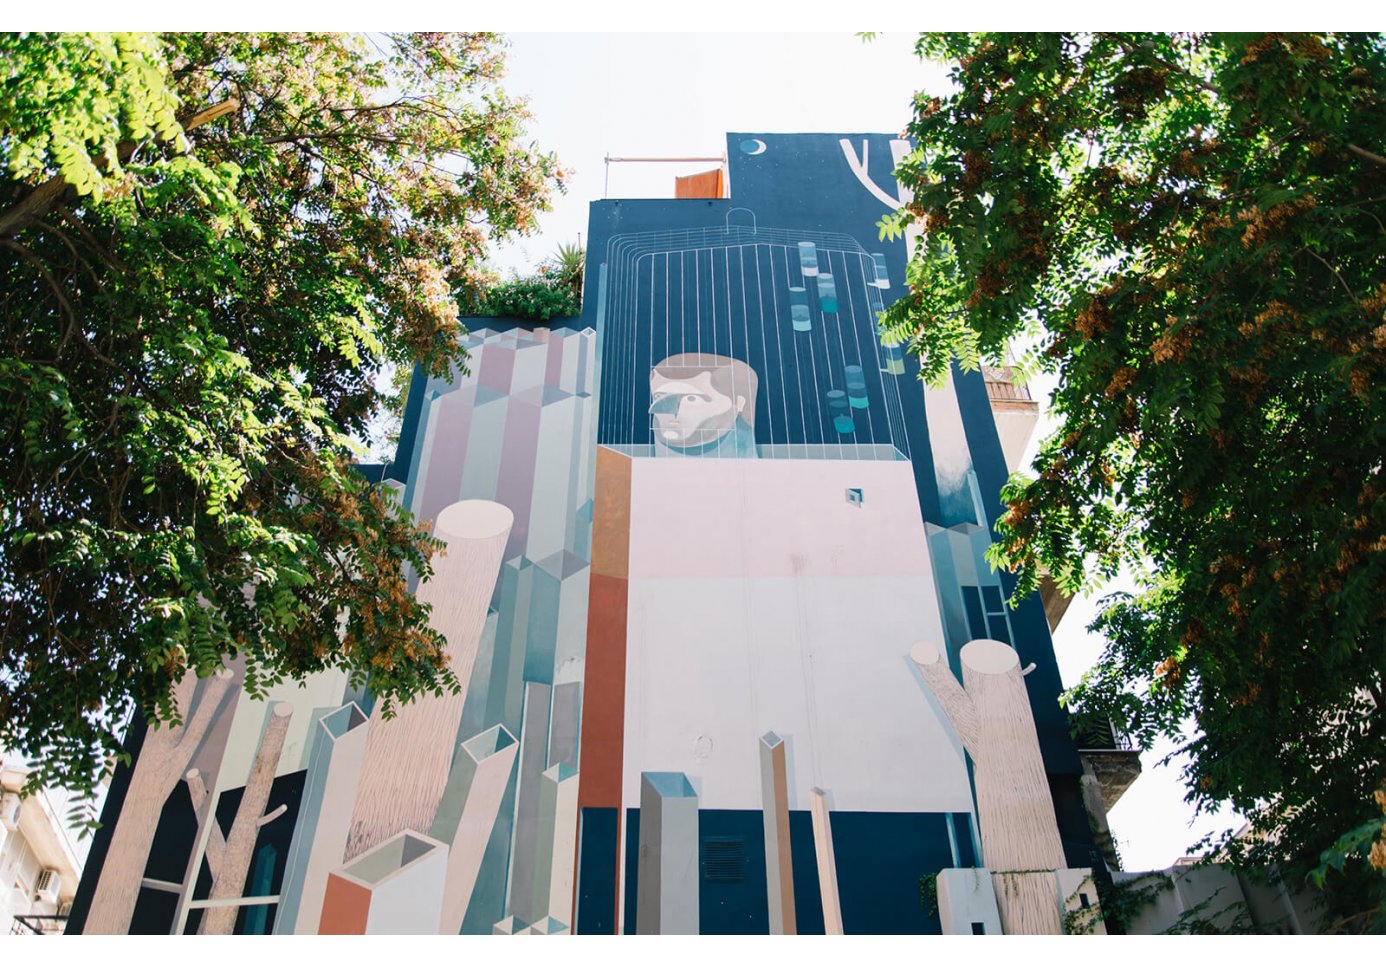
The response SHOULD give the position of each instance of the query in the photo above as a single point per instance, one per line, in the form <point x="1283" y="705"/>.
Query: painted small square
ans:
<point x="854" y="497"/>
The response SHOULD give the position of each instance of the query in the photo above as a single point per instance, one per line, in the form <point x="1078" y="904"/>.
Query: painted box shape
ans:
<point x="396" y="888"/>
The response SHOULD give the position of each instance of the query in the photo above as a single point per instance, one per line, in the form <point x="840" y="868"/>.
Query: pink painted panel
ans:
<point x="716" y="518"/>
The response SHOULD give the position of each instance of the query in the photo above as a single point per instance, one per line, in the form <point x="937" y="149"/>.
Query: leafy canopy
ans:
<point x="209" y="244"/>
<point x="1190" y="231"/>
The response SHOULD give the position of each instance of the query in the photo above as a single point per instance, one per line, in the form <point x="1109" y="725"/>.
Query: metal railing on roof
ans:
<point x="606" y="182"/>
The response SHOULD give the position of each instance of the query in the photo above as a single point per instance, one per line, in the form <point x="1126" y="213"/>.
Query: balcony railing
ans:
<point x="38" y="924"/>
<point x="1096" y="733"/>
<point x="1002" y="384"/>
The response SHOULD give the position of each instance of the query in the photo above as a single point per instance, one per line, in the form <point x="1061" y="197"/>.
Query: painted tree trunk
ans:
<point x="216" y="840"/>
<point x="407" y="758"/>
<point x="240" y="843"/>
<point x="1015" y="810"/>
<point x="162" y="760"/>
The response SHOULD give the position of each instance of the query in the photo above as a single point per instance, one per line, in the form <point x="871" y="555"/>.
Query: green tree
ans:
<point x="1190" y="232"/>
<point x="209" y="244"/>
<point x="568" y="264"/>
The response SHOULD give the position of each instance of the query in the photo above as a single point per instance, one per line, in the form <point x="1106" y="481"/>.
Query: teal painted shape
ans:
<point x="799" y="316"/>
<point x="261" y="877"/>
<point x="827" y="293"/>
<point x="669" y="784"/>
<point x="541" y="635"/>
<point x="894" y="361"/>
<point x="504" y="695"/>
<point x="474" y="707"/>
<point x="855" y="378"/>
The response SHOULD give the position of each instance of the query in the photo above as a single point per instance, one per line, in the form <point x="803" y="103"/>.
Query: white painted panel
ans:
<point x="713" y="664"/>
<point x="314" y="692"/>
<point x="717" y="518"/>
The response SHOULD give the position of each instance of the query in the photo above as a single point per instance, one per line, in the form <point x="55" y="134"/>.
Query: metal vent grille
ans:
<point x="724" y="860"/>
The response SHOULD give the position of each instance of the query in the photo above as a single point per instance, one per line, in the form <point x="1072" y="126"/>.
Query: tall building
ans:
<point x="38" y="865"/>
<point x="715" y="581"/>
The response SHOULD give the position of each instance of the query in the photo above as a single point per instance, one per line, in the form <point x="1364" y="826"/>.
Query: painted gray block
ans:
<point x="667" y="869"/>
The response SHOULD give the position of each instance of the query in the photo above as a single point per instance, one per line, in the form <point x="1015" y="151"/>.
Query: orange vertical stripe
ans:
<point x="344" y="907"/>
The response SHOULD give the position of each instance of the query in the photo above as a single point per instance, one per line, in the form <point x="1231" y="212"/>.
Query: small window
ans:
<point x="978" y="927"/>
<point x="1083" y="900"/>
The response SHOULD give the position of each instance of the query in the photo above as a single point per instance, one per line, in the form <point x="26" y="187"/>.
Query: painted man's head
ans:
<point x="696" y="398"/>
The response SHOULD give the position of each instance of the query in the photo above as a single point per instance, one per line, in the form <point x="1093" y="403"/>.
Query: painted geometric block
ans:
<point x="396" y="888"/>
<point x="667" y="879"/>
<point x="827" y="862"/>
<point x="467" y="812"/>
<point x="779" y="871"/>
<point x="320" y="836"/>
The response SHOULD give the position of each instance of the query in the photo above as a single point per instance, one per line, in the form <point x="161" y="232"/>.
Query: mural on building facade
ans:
<point x="696" y="695"/>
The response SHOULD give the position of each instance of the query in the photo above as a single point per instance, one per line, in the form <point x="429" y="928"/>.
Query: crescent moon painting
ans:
<point x="753" y="146"/>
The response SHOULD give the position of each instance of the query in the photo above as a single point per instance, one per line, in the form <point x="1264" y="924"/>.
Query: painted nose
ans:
<point x="669" y="404"/>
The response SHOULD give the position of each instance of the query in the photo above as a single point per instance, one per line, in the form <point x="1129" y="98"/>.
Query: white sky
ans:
<point x="638" y="94"/>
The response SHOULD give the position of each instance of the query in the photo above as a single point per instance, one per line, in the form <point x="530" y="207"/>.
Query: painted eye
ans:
<point x="692" y="398"/>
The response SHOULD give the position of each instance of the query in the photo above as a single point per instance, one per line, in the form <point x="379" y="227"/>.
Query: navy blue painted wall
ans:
<point x="880" y="860"/>
<point x="596" y="874"/>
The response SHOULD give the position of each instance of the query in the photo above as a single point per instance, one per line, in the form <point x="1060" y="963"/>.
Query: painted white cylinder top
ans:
<point x="989" y="657"/>
<point x="473" y="521"/>
<point x="924" y="653"/>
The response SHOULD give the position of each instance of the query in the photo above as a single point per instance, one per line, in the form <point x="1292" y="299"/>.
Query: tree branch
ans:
<point x="44" y="197"/>
<point x="1371" y="156"/>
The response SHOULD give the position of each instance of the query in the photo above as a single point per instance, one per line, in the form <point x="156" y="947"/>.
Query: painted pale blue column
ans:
<point x="667" y="872"/>
<point x="324" y="818"/>
<point x="533" y="760"/>
<point x="808" y="259"/>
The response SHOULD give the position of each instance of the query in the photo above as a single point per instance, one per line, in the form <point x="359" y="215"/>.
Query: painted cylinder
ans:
<point x="808" y="258"/>
<point x="827" y="293"/>
<point x="799" y="309"/>
<point x="882" y="280"/>
<point x="841" y="412"/>
<point x="856" y="387"/>
<point x="895" y="360"/>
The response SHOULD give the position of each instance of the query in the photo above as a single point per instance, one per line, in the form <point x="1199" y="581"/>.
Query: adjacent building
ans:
<point x="38" y="865"/>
